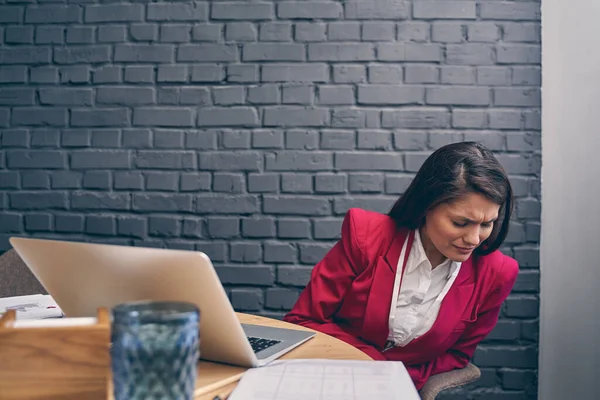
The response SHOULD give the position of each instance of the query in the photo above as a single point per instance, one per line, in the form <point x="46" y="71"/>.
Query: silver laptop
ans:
<point x="82" y="277"/>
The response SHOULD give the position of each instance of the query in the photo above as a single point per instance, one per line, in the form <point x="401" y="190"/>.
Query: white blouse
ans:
<point x="415" y="305"/>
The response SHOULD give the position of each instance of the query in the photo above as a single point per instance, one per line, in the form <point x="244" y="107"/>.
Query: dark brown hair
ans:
<point x="449" y="173"/>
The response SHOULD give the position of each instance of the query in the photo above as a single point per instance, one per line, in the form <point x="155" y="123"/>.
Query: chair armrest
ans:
<point x="447" y="380"/>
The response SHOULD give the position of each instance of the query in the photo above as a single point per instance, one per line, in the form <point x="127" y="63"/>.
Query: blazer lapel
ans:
<point x="376" y="320"/>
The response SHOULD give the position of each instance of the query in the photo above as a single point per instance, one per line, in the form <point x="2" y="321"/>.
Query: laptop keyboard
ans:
<point x="259" y="344"/>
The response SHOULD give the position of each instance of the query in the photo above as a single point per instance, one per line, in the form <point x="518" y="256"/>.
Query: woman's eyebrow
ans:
<point x="474" y="222"/>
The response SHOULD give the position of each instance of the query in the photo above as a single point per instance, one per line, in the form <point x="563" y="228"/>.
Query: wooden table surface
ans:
<point x="320" y="346"/>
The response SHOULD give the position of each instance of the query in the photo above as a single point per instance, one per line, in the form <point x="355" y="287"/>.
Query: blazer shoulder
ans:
<point x="504" y="268"/>
<point x="370" y="229"/>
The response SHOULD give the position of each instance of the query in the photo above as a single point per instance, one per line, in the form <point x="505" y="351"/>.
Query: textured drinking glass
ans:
<point x="155" y="350"/>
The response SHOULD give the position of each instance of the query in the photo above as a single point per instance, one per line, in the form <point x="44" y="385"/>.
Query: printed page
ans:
<point x="319" y="379"/>
<point x="37" y="306"/>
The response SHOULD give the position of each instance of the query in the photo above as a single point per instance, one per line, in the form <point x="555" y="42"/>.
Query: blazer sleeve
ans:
<point x="460" y="354"/>
<point x="330" y="280"/>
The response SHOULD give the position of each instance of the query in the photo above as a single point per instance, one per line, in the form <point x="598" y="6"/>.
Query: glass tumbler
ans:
<point x="155" y="350"/>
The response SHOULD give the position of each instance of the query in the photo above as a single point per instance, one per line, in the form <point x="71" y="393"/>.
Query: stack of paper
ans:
<point x="37" y="306"/>
<point x="326" y="380"/>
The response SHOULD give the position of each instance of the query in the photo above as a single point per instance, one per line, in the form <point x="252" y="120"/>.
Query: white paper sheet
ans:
<point x="319" y="379"/>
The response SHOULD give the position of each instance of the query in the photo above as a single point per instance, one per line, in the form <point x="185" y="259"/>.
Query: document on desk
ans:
<point x="319" y="379"/>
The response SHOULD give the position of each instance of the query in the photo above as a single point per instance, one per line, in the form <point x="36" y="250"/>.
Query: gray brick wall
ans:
<point x="247" y="129"/>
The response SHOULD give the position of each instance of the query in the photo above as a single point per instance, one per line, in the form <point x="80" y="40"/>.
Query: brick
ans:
<point x="25" y="55"/>
<point x="505" y="119"/>
<point x="92" y="159"/>
<point x="164" y="116"/>
<point x="260" y="275"/>
<point x="523" y="11"/>
<point x="162" y="181"/>
<point x="150" y="53"/>
<point x="206" y="32"/>
<point x="263" y="183"/>
<point x="518" y="97"/>
<point x="226" y="204"/>
<point x="297" y="94"/>
<point x="515" y="379"/>
<point x="378" y="31"/>
<point x="415" y="118"/>
<point x="421" y="74"/>
<point x="298" y="161"/>
<point x="483" y="32"/>
<point x="390" y="94"/>
<point x="99" y="117"/>
<point x="38" y="201"/>
<point x="261" y="227"/>
<point x="413" y="31"/>
<point x="69" y="223"/>
<point x="49" y="138"/>
<point x="343" y="31"/>
<point x="374" y="140"/>
<point x="371" y="161"/>
<point x="112" y="34"/>
<point x="447" y="32"/>
<point x="355" y="118"/>
<point x="493" y="76"/>
<point x="380" y="204"/>
<point x="228" y="183"/>
<point x="17" y="97"/>
<point x="341" y="52"/>
<point x="444" y="10"/>
<point x="521" y="306"/>
<point x="143" y="32"/>
<point x="279" y="252"/>
<point x="247" y="299"/>
<point x="275" y="32"/>
<point x="125" y="95"/>
<point x="263" y="94"/>
<point x="11" y="222"/>
<point x="65" y="96"/>
<point x="203" y="140"/>
<point x="107" y="74"/>
<point x="301" y="139"/>
<point x="296" y="205"/>
<point x="462" y="118"/>
<point x="293" y="228"/>
<point x="458" y="95"/>
<point x="150" y="159"/>
<point x="172" y="33"/>
<point x="49" y="34"/>
<point x="39" y="159"/>
<point x="410" y="140"/>
<point x="193" y="182"/>
<point x="470" y="54"/>
<point x="38" y="222"/>
<point x="53" y="14"/>
<point x="231" y="95"/>
<point x="97" y="180"/>
<point x="242" y="73"/>
<point x="417" y="52"/>
<point x="296" y="183"/>
<point x="309" y="10"/>
<point x="82" y="55"/>
<point x="526" y="75"/>
<point x="385" y="74"/>
<point x="13" y="74"/>
<point x="273" y="52"/>
<point x="237" y="11"/>
<point x="365" y="183"/>
<point x="295" y="73"/>
<point x="338" y="140"/>
<point x="114" y="13"/>
<point x="293" y="275"/>
<point x="223" y="227"/>
<point x="457" y="75"/>
<point x="241" y="32"/>
<point x="11" y="14"/>
<point x="9" y="180"/>
<point x="235" y="116"/>
<point x="19" y="35"/>
<point x="295" y="116"/>
<point x="170" y="11"/>
<point x="76" y="74"/>
<point x="397" y="184"/>
<point x="280" y="298"/>
<point x="384" y="9"/>
<point x="330" y="183"/>
<point x="310" y="32"/>
<point x="519" y="54"/>
<point x="162" y="202"/>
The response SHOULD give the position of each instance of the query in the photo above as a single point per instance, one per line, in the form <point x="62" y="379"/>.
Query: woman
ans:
<point x="424" y="283"/>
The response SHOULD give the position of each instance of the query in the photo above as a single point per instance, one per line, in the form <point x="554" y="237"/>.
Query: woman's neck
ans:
<point x="433" y="254"/>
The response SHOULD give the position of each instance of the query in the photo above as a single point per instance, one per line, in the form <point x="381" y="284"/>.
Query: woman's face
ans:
<point x="453" y="230"/>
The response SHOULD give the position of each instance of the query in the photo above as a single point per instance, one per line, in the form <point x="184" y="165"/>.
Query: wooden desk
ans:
<point x="320" y="346"/>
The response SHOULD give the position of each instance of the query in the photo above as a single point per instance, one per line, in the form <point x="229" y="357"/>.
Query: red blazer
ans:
<point x="350" y="294"/>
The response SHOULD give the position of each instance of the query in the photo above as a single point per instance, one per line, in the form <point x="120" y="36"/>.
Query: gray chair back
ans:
<point x="15" y="278"/>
